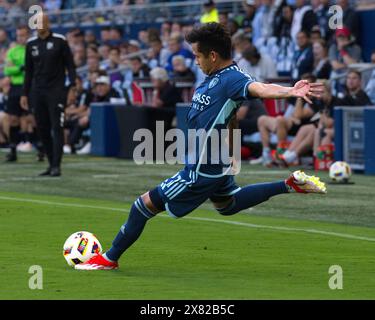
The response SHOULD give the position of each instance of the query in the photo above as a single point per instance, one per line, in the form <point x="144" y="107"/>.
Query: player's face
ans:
<point x="204" y="63"/>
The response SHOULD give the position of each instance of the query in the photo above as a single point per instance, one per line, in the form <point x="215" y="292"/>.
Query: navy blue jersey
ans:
<point x="213" y="105"/>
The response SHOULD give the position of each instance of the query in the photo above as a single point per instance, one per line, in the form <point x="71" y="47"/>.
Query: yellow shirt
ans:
<point x="212" y="16"/>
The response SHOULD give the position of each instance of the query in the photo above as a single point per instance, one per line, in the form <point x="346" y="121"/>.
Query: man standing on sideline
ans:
<point x="14" y="68"/>
<point x="48" y="57"/>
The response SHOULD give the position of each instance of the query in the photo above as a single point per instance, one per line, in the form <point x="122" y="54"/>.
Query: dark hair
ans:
<point x="355" y="72"/>
<point x="309" y="76"/>
<point x="23" y="27"/>
<point x="212" y="37"/>
<point x="251" y="52"/>
<point x="138" y="58"/>
<point x="115" y="48"/>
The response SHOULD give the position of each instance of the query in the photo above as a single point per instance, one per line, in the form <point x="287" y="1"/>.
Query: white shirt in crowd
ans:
<point x="263" y="70"/>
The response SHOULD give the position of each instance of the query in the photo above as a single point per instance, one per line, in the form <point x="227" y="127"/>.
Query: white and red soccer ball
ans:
<point x="80" y="247"/>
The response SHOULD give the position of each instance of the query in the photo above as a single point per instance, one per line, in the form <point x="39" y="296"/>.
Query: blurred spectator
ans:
<point x="283" y="23"/>
<point x="322" y="65"/>
<point x="240" y="43"/>
<point x="303" y="20"/>
<point x="247" y="22"/>
<point x="248" y="115"/>
<point x="304" y="139"/>
<point x="4" y="44"/>
<point x="176" y="49"/>
<point x="92" y="52"/>
<point x="289" y="124"/>
<point x="224" y="19"/>
<point x="79" y="55"/>
<point x="354" y="95"/>
<point x="323" y="16"/>
<point x="113" y="64"/>
<point x="257" y="65"/>
<point x="103" y="92"/>
<point x="165" y="94"/>
<point x="370" y="88"/>
<point x="52" y="6"/>
<point x="157" y="55"/>
<point x="262" y="22"/>
<point x="344" y="51"/>
<point x="105" y="34"/>
<point x="176" y="27"/>
<point x="180" y="71"/>
<point x="104" y="51"/>
<point x="315" y="34"/>
<point x="90" y="38"/>
<point x="104" y="3"/>
<point x="165" y="32"/>
<point x="211" y="13"/>
<point x="76" y="115"/>
<point x="351" y="18"/>
<point x="143" y="38"/>
<point x="116" y="36"/>
<point x="134" y="46"/>
<point x="139" y="69"/>
<point x="303" y="61"/>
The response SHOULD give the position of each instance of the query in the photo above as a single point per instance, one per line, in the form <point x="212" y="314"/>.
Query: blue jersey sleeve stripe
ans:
<point x="245" y="89"/>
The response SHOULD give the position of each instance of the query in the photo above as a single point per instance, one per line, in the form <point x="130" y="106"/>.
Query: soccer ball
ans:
<point x="80" y="247"/>
<point x="340" y="171"/>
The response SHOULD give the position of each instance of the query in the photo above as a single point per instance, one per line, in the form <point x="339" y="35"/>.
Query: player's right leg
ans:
<point x="142" y="210"/>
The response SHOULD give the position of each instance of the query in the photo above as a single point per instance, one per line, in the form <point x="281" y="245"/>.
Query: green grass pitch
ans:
<point x="281" y="249"/>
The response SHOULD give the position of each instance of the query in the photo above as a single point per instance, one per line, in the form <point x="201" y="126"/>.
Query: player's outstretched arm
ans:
<point x="302" y="89"/>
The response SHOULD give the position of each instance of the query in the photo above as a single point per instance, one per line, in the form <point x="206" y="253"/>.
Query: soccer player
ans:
<point x="214" y="104"/>
<point x="48" y="57"/>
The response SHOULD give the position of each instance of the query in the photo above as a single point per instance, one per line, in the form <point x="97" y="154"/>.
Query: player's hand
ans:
<point x="306" y="90"/>
<point x="24" y="102"/>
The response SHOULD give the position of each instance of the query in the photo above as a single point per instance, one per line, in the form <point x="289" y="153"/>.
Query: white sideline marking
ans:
<point x="103" y="176"/>
<point x="236" y="223"/>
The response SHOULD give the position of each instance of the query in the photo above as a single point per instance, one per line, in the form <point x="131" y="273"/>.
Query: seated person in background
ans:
<point x="258" y="65"/>
<point x="103" y="92"/>
<point x="180" y="71"/>
<point x="240" y="42"/>
<point x="248" y="115"/>
<point x="344" y="51"/>
<point x="78" y="105"/>
<point x="370" y="88"/>
<point x="304" y="140"/>
<point x="165" y="94"/>
<point x="157" y="55"/>
<point x="354" y="95"/>
<point x="114" y="62"/>
<point x="322" y="65"/>
<point x="176" y="48"/>
<point x="284" y="126"/>
<point x="303" y="61"/>
<point x="139" y="69"/>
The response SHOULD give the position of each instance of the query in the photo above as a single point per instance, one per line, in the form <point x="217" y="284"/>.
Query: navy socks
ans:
<point x="130" y="231"/>
<point x="253" y="195"/>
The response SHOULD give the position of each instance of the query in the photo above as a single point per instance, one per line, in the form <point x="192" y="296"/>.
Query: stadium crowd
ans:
<point x="273" y="40"/>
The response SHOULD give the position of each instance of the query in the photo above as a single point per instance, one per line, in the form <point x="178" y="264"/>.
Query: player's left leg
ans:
<point x="252" y="195"/>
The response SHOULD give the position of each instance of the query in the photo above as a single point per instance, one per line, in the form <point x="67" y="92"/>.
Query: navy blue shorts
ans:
<point x="186" y="191"/>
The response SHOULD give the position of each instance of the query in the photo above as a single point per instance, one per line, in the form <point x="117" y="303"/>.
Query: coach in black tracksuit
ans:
<point x="48" y="57"/>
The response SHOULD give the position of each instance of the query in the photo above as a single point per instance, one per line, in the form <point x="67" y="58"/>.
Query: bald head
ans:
<point x="44" y="26"/>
